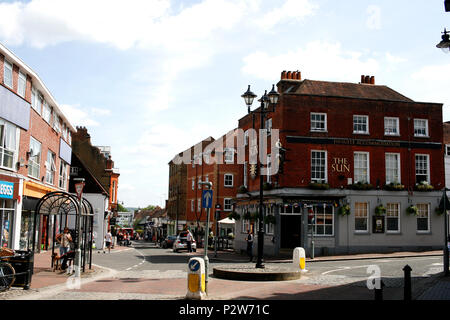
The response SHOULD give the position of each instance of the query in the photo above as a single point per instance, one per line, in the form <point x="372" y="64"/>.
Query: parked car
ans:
<point x="168" y="242"/>
<point x="181" y="243"/>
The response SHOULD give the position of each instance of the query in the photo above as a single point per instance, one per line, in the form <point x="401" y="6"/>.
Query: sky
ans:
<point x="150" y="78"/>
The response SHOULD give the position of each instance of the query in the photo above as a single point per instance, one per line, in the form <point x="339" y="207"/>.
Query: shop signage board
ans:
<point x="6" y="189"/>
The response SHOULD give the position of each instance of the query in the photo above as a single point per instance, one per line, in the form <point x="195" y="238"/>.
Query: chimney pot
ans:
<point x="367" y="79"/>
<point x="283" y="75"/>
<point x="299" y="75"/>
<point x="372" y="80"/>
<point x="288" y="75"/>
<point x="362" y="78"/>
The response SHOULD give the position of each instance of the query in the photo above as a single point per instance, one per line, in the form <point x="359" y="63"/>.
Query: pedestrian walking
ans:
<point x="249" y="240"/>
<point x="189" y="240"/>
<point x="108" y="241"/>
<point x="64" y="239"/>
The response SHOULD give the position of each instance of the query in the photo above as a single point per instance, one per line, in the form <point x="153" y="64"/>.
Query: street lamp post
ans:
<point x="266" y="100"/>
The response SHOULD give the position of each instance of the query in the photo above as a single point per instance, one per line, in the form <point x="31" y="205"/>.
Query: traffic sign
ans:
<point x="207" y="198"/>
<point x="79" y="189"/>
<point x="194" y="265"/>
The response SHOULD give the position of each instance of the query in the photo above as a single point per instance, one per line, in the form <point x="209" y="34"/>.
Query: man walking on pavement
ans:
<point x="249" y="240"/>
<point x="189" y="240"/>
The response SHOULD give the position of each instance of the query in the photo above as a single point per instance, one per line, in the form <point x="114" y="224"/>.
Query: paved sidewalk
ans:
<point x="45" y="281"/>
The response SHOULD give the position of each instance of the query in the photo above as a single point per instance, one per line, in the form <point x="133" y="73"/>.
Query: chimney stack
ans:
<point x="367" y="79"/>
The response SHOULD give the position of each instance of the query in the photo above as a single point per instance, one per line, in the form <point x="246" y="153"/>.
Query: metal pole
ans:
<point x="446" y="253"/>
<point x="216" y="237"/>
<point x="259" y="261"/>
<point x="407" y="290"/>
<point x="78" y="250"/>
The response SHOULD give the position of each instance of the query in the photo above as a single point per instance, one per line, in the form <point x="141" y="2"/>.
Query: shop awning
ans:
<point x="227" y="221"/>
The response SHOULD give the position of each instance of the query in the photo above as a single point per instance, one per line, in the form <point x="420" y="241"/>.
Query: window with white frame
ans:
<point x="360" y="124"/>
<point x="36" y="100"/>
<point x="193" y="184"/>
<point x="46" y="112"/>
<point x="392" y="168"/>
<point x="34" y="161"/>
<point x="422" y="168"/>
<point x="393" y="217"/>
<point x="268" y="126"/>
<point x="64" y="131"/>
<point x="391" y="126"/>
<point x="246" y="138"/>
<point x="199" y="205"/>
<point x="318" y="166"/>
<point x="229" y="155"/>
<point x="423" y="217"/>
<point x="361" y="167"/>
<point x="269" y="168"/>
<point x="323" y="220"/>
<point x="192" y="205"/>
<point x="8" y="74"/>
<point x="50" y="167"/>
<point x="270" y="211"/>
<point x="361" y="217"/>
<point x="420" y="127"/>
<point x="56" y="123"/>
<point x="318" y="121"/>
<point x="227" y="204"/>
<point x="245" y="225"/>
<point x="228" y="180"/>
<point x="9" y="144"/>
<point x="22" y="84"/>
<point x="62" y="174"/>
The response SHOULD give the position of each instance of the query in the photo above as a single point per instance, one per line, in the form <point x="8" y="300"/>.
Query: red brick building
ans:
<point x="357" y="146"/>
<point x="216" y="162"/>
<point x="35" y="150"/>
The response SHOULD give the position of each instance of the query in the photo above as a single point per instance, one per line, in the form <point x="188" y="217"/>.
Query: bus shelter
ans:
<point x="58" y="210"/>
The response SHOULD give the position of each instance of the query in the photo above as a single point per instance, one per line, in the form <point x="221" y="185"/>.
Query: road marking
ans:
<point x="346" y="268"/>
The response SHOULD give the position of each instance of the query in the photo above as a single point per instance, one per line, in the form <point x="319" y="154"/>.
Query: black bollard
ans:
<point x="379" y="292"/>
<point x="407" y="284"/>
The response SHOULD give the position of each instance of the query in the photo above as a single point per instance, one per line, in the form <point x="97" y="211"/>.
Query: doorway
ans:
<point x="291" y="226"/>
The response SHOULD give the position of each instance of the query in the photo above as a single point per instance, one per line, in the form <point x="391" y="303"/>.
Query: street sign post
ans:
<point x="79" y="190"/>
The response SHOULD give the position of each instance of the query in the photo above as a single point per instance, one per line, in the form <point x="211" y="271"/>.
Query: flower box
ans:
<point x="361" y="186"/>
<point x="394" y="187"/>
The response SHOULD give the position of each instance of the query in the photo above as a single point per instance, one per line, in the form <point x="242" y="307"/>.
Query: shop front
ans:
<point x="9" y="202"/>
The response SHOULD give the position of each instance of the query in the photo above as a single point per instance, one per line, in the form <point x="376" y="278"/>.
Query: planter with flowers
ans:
<point x="423" y="186"/>
<point x="380" y="210"/>
<point x="412" y="210"/>
<point x="394" y="186"/>
<point x="344" y="210"/>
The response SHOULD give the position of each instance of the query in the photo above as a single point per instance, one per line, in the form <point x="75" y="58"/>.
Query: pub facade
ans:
<point x="362" y="170"/>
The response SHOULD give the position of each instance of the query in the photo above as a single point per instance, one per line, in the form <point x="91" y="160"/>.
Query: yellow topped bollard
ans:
<point x="299" y="259"/>
<point x="196" y="279"/>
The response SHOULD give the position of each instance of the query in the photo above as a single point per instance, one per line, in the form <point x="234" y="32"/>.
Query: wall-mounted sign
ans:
<point x="6" y="189"/>
<point x="340" y="165"/>
<point x="378" y="224"/>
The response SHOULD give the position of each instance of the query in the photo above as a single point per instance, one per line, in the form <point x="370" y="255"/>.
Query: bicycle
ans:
<point x="7" y="276"/>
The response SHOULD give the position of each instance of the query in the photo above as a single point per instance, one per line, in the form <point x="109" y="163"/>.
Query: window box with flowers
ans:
<point x="361" y="186"/>
<point x="319" y="186"/>
<point x="412" y="210"/>
<point x="344" y="210"/>
<point x="423" y="186"/>
<point x="393" y="186"/>
<point x="380" y="210"/>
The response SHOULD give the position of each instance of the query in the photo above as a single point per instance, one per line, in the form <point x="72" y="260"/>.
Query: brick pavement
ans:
<point x="226" y="289"/>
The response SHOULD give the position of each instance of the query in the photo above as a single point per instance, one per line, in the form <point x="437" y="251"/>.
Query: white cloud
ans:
<point x="430" y="84"/>
<point x="373" y="21"/>
<point x="394" y="59"/>
<point x="317" y="60"/>
<point x="80" y="116"/>
<point x="291" y="10"/>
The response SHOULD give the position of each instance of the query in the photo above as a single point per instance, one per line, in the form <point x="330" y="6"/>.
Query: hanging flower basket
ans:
<point x="242" y="189"/>
<point x="344" y="210"/>
<point x="319" y="186"/>
<point x="270" y="219"/>
<point x="234" y="215"/>
<point x="267" y="186"/>
<point x="380" y="210"/>
<point x="412" y="210"/>
<point x="394" y="187"/>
